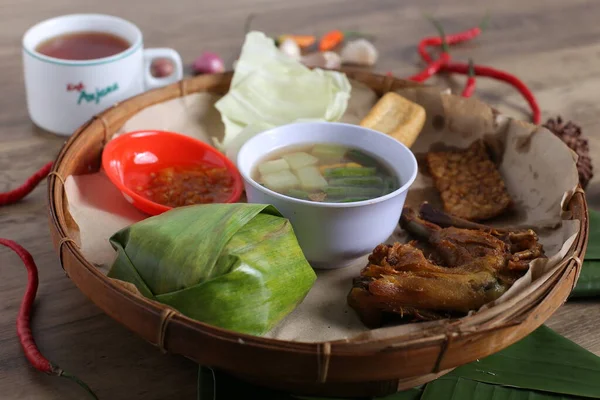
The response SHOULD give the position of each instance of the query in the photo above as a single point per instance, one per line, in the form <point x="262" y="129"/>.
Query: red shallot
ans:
<point x="161" y="68"/>
<point x="208" y="63"/>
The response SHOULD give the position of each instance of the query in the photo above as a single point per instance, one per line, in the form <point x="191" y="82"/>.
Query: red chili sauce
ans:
<point x="186" y="185"/>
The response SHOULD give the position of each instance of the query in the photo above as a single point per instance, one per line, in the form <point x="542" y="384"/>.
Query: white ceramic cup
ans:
<point x="333" y="235"/>
<point x="63" y="94"/>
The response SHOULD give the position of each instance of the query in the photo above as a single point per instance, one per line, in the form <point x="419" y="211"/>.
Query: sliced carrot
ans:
<point x="331" y="40"/>
<point x="303" y="41"/>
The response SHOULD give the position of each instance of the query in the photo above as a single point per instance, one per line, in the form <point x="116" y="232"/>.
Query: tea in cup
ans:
<point x="78" y="65"/>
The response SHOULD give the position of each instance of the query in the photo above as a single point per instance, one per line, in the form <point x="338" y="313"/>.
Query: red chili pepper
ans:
<point x="470" y="86"/>
<point x="30" y="349"/>
<point x="431" y="69"/>
<point x="17" y="194"/>
<point x="452" y="38"/>
<point x="331" y="40"/>
<point x="434" y="67"/>
<point x="482" y="70"/>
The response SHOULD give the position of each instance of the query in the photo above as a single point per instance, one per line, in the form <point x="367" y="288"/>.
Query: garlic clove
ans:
<point x="332" y="60"/>
<point x="325" y="59"/>
<point x="359" y="52"/>
<point x="291" y="48"/>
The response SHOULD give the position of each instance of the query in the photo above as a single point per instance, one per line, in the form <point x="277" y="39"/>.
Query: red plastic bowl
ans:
<point x="129" y="159"/>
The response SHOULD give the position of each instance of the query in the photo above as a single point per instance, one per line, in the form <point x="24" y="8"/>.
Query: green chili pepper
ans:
<point x="353" y="199"/>
<point x="297" y="193"/>
<point x="348" y="172"/>
<point x="352" y="191"/>
<point x="361" y="158"/>
<point x="357" y="181"/>
<point x="389" y="185"/>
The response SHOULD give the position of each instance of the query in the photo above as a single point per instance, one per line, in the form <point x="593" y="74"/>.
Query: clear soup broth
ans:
<point x="325" y="172"/>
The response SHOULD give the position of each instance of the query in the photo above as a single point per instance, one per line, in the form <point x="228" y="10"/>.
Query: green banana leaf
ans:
<point x="236" y="266"/>
<point x="218" y="385"/>
<point x="464" y="389"/>
<point x="542" y="366"/>
<point x="543" y="361"/>
<point x="588" y="284"/>
<point x="409" y="394"/>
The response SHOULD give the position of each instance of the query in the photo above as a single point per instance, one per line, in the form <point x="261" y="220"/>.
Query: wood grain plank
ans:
<point x="552" y="45"/>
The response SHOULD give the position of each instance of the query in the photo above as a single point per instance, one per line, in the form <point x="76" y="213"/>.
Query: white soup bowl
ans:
<point x="332" y="235"/>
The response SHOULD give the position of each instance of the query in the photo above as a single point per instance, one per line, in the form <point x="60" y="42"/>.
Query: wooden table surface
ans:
<point x="554" y="46"/>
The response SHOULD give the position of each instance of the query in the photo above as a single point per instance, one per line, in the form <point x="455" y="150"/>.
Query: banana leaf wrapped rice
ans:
<point x="235" y="266"/>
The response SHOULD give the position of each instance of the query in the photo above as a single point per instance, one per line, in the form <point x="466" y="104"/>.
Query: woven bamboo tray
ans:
<point x="341" y="368"/>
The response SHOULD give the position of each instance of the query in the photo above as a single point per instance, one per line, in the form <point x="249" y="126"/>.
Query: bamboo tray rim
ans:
<point x="437" y="336"/>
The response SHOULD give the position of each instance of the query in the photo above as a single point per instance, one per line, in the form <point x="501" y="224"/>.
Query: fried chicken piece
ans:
<point x="524" y="243"/>
<point x="454" y="246"/>
<point x="418" y="288"/>
<point x="458" y="270"/>
<point x="469" y="183"/>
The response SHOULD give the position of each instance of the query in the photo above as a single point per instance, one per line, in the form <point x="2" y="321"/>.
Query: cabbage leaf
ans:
<point x="270" y="89"/>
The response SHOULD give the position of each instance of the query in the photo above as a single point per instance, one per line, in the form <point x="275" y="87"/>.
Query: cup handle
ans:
<point x="152" y="54"/>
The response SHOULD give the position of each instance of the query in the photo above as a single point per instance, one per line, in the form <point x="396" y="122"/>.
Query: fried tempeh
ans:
<point x="469" y="183"/>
